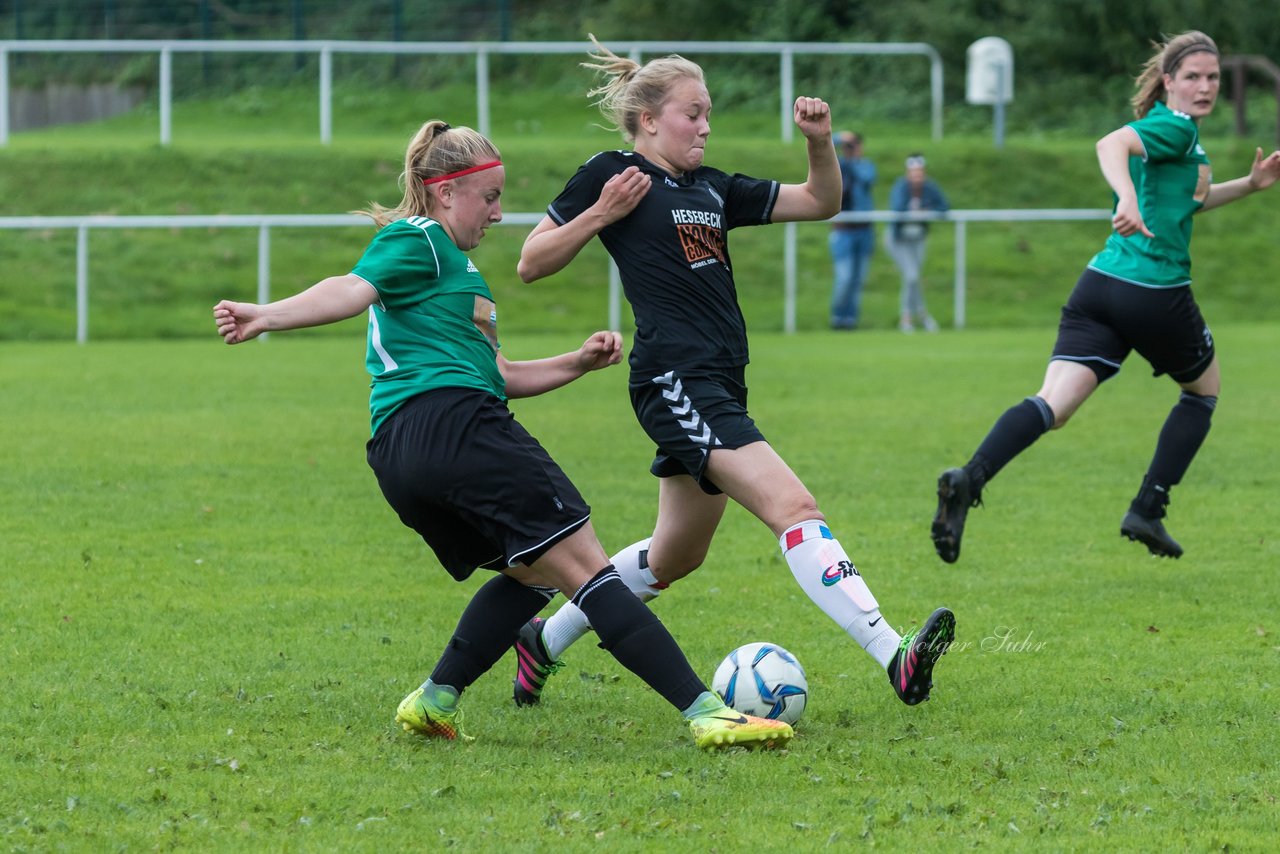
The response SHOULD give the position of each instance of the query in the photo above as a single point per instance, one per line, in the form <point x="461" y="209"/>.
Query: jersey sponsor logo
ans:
<point x="681" y="216"/>
<point x="471" y="267"/>
<point x="702" y="244"/>
<point x="484" y="315"/>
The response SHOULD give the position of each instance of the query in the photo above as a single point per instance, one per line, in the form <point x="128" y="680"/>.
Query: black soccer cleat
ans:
<point x="955" y="497"/>
<point x="911" y="669"/>
<point x="533" y="665"/>
<point x="1151" y="533"/>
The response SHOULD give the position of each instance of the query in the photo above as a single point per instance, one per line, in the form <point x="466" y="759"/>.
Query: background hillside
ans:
<point x="245" y="141"/>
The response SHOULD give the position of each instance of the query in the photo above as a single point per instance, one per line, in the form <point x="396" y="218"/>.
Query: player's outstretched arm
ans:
<point x="819" y="196"/>
<point x="1264" y="172"/>
<point x="533" y="377"/>
<point x="329" y="300"/>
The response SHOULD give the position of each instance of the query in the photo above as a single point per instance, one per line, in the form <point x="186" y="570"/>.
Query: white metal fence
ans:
<point x="785" y="51"/>
<point x="265" y="222"/>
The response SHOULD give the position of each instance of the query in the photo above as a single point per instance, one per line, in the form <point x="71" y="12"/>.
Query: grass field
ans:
<point x="210" y="614"/>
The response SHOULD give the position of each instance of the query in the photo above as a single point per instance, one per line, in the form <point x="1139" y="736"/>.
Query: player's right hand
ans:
<point x="238" y="321"/>
<point x="622" y="193"/>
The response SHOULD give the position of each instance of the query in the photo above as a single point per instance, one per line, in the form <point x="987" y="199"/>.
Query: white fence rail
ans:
<point x="786" y="52"/>
<point x="265" y="222"/>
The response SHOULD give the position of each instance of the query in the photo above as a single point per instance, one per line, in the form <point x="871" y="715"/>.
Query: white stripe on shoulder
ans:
<point x="421" y="222"/>
<point x="425" y="222"/>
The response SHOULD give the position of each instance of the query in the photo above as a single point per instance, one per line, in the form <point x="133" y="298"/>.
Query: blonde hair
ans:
<point x="630" y="89"/>
<point x="1166" y="59"/>
<point x="436" y="149"/>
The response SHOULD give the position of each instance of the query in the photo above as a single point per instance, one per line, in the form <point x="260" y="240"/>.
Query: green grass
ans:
<point x="257" y="151"/>
<point x="210" y="615"/>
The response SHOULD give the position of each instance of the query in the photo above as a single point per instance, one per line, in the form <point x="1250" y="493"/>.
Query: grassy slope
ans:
<point x="258" y="152"/>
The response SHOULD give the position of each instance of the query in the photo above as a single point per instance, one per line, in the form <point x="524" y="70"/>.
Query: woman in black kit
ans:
<point x="664" y="217"/>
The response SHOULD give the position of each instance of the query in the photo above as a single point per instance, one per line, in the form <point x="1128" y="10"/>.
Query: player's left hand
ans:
<point x="813" y="117"/>
<point x="1265" y="171"/>
<point x="600" y="351"/>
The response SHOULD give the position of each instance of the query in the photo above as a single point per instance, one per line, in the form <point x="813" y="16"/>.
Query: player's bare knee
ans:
<point x="677" y="567"/>
<point x="800" y="508"/>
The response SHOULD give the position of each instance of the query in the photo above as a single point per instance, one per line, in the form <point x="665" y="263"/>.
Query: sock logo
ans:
<point x="837" y="573"/>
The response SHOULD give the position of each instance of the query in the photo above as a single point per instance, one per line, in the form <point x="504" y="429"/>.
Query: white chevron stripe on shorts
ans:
<point x="698" y="430"/>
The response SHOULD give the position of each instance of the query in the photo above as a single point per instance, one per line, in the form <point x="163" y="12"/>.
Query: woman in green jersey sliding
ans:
<point x="1134" y="295"/>
<point x="451" y="459"/>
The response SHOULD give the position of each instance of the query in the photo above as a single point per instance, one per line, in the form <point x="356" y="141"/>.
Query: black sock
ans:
<point x="1014" y="431"/>
<point x="631" y="633"/>
<point x="487" y="629"/>
<point x="1183" y="433"/>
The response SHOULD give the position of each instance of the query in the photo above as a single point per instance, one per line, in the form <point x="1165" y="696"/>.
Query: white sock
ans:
<point x="567" y="625"/>
<point x="830" y="579"/>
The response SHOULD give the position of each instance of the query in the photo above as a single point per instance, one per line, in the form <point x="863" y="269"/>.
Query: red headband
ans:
<point x="461" y="172"/>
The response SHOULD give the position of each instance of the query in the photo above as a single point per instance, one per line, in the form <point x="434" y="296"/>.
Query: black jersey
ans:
<point x="672" y="252"/>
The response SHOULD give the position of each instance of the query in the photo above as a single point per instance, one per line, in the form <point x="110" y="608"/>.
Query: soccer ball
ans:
<point x="764" y="680"/>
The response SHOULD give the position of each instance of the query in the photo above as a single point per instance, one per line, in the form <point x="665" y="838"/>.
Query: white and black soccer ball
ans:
<point x="764" y="680"/>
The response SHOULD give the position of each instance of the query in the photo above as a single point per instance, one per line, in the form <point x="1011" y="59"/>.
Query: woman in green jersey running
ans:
<point x="451" y="459"/>
<point x="1134" y="295"/>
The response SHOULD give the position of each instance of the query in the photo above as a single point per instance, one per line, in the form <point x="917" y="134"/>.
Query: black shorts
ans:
<point x="1106" y="318"/>
<point x="688" y="414"/>
<point x="460" y="470"/>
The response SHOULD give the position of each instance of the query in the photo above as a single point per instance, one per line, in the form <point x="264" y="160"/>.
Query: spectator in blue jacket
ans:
<point x="852" y="243"/>
<point x="913" y="192"/>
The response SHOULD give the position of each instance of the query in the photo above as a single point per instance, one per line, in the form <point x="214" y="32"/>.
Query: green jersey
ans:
<point x="434" y="324"/>
<point x="1172" y="181"/>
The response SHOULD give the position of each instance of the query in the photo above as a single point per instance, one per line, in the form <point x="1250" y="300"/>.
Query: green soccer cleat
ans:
<point x="911" y="670"/>
<point x="727" y="728"/>
<point x="417" y="715"/>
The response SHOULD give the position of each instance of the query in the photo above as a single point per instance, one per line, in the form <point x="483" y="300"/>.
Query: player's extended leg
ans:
<point x="1066" y="386"/>
<point x="1183" y="433"/>
<point x="633" y="635"/>
<point x="761" y="481"/>
<point x="484" y="633"/>
<point x="687" y="519"/>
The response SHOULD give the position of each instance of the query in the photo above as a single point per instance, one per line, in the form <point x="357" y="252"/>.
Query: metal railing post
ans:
<point x="4" y="96"/>
<point x="166" y="96"/>
<point x="615" y="296"/>
<point x="264" y="267"/>
<point x="962" y="233"/>
<point x="82" y="284"/>
<point x="326" y="95"/>
<point x="787" y="90"/>
<point x="482" y="91"/>
<point x="789" y="278"/>
<point x="935" y="89"/>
